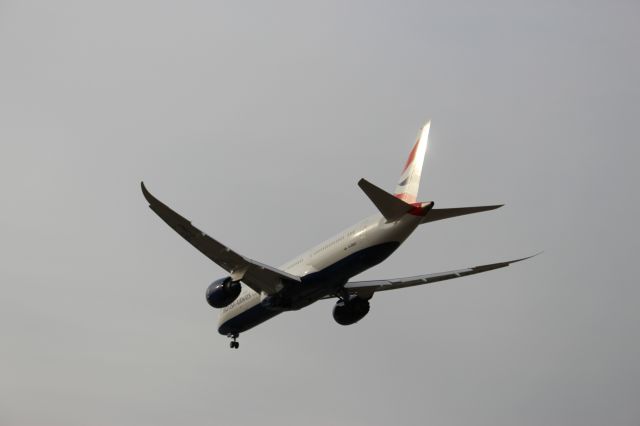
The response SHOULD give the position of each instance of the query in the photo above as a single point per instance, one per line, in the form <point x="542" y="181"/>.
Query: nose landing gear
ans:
<point x="234" y="344"/>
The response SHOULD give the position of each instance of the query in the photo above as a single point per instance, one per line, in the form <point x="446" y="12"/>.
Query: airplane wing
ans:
<point x="256" y="275"/>
<point x="365" y="289"/>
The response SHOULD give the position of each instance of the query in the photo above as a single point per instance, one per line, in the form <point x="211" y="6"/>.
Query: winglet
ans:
<point x="483" y="268"/>
<point x="150" y="198"/>
<point x="153" y="201"/>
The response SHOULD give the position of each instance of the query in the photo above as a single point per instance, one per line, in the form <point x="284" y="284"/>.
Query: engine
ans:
<point x="223" y="292"/>
<point x="351" y="311"/>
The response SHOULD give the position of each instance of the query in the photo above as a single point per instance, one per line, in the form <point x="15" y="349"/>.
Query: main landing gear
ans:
<point x="234" y="344"/>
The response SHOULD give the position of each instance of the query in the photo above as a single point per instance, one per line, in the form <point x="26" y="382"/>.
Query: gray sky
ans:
<point x="256" y="121"/>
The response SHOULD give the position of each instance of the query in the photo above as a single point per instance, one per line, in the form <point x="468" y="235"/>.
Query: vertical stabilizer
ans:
<point x="407" y="189"/>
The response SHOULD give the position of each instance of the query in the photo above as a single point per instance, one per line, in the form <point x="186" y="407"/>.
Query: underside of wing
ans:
<point x="256" y="275"/>
<point x="366" y="289"/>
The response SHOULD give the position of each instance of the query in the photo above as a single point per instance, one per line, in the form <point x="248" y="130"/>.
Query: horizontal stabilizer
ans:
<point x="439" y="214"/>
<point x="391" y="207"/>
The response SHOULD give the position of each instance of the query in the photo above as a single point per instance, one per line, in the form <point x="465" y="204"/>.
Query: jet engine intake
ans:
<point x="350" y="311"/>
<point x="223" y="292"/>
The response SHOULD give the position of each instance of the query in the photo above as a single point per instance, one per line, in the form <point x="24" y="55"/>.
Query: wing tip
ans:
<point x="147" y="195"/>
<point x="526" y="258"/>
<point x="493" y="207"/>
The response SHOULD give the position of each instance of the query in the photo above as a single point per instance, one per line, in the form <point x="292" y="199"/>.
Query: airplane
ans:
<point x="254" y="292"/>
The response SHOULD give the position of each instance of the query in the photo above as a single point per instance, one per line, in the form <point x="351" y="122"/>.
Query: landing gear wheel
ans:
<point x="234" y="344"/>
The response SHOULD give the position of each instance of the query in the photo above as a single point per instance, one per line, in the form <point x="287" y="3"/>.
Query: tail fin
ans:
<point x="409" y="183"/>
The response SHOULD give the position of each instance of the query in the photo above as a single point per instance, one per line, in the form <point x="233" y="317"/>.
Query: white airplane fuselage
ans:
<point x="323" y="269"/>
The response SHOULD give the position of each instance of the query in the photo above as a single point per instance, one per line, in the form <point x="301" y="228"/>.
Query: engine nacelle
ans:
<point x="223" y="292"/>
<point x="351" y="311"/>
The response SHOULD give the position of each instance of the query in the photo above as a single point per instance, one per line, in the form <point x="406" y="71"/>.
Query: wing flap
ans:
<point x="258" y="276"/>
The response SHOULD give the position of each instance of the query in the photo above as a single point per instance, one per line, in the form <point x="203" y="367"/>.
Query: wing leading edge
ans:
<point x="258" y="276"/>
<point x="366" y="289"/>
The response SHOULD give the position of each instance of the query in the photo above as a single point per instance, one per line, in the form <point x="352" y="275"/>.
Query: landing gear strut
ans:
<point x="234" y="344"/>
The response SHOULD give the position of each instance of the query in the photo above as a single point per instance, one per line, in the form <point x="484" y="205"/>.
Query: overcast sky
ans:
<point x="255" y="120"/>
